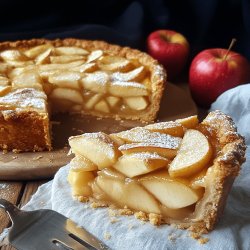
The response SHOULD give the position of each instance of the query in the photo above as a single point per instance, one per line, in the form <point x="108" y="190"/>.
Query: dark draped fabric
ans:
<point x="206" y="24"/>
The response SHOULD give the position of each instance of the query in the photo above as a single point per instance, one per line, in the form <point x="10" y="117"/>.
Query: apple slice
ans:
<point x="140" y="134"/>
<point x="38" y="50"/>
<point x="178" y="214"/>
<point x="97" y="147"/>
<point x="194" y="154"/>
<point x="93" y="100"/>
<point x="170" y="128"/>
<point x="102" y="106"/>
<point x="65" y="58"/>
<point x="85" y="67"/>
<point x="65" y="79"/>
<point x="127" y="89"/>
<point x="96" y="82"/>
<point x="4" y="81"/>
<point x="44" y="57"/>
<point x="29" y="79"/>
<point x="139" y="163"/>
<point x="4" y="90"/>
<point x="20" y="63"/>
<point x="70" y="51"/>
<point x="189" y="122"/>
<point x="58" y="66"/>
<point x="13" y="55"/>
<point x="199" y="180"/>
<point x="171" y="193"/>
<point x="134" y="75"/>
<point x="94" y="55"/>
<point x="80" y="182"/>
<point x="159" y="148"/>
<point x="114" y="63"/>
<point x="136" y="103"/>
<point x="113" y="101"/>
<point x="67" y="94"/>
<point x="128" y="194"/>
<point x="81" y="163"/>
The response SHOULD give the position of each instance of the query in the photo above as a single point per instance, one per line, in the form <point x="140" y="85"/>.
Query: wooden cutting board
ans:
<point x="176" y="103"/>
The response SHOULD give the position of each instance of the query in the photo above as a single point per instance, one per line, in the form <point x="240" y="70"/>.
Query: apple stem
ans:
<point x="229" y="48"/>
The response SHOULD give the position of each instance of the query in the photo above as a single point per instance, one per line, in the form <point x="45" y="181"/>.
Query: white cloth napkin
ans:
<point x="231" y="233"/>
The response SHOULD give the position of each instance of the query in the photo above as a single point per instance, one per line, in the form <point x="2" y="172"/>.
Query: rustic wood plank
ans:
<point x="30" y="189"/>
<point x="8" y="248"/>
<point x="10" y="191"/>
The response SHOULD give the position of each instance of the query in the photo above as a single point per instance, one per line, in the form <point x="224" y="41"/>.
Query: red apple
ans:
<point x="214" y="71"/>
<point x="170" y="48"/>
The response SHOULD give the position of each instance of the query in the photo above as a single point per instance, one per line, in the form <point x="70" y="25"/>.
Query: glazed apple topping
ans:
<point x="159" y="168"/>
<point x="97" y="81"/>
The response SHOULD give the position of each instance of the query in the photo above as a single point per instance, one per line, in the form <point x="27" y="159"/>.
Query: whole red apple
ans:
<point x="214" y="71"/>
<point x="170" y="48"/>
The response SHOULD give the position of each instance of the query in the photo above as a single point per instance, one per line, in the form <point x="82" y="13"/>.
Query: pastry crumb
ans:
<point x="155" y="219"/>
<point x="125" y="211"/>
<point x="107" y="236"/>
<point x="14" y="157"/>
<point x="82" y="198"/>
<point x="195" y="235"/>
<point x="203" y="240"/>
<point x="95" y="204"/>
<point x="141" y="216"/>
<point x="199" y="238"/>
<point x="16" y="151"/>
<point x="37" y="158"/>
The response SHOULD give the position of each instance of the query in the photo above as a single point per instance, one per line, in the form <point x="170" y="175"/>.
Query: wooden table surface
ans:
<point x="19" y="193"/>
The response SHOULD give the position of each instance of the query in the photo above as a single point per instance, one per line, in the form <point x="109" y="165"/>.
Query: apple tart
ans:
<point x="168" y="172"/>
<point x="92" y="77"/>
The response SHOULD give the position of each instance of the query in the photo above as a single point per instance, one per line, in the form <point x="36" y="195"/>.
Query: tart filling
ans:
<point x="89" y="76"/>
<point x="170" y="172"/>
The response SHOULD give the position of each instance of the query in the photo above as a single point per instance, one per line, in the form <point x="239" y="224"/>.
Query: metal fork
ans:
<point x="47" y="230"/>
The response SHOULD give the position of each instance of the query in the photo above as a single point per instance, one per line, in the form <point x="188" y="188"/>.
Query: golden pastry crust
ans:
<point x="15" y="136"/>
<point x="158" y="73"/>
<point x="24" y="121"/>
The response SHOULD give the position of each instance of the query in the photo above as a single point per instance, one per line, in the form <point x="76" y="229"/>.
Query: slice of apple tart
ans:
<point x="168" y="172"/>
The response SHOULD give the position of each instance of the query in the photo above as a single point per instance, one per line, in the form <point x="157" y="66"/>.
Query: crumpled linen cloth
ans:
<point x="231" y="233"/>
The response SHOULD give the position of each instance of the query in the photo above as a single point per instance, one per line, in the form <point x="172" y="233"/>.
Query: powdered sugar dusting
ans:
<point x="147" y="155"/>
<point x="127" y="76"/>
<point x="129" y="84"/>
<point x="163" y="125"/>
<point x="164" y="145"/>
<point x="99" y="77"/>
<point x="143" y="135"/>
<point x="25" y="98"/>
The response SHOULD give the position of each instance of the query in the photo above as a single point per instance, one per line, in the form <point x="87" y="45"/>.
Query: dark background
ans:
<point x="205" y="23"/>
